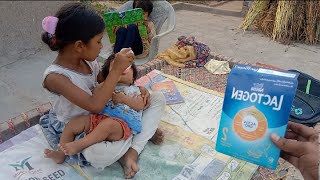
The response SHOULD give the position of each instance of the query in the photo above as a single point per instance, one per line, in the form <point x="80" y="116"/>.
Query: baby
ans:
<point x="125" y="109"/>
<point x="126" y="104"/>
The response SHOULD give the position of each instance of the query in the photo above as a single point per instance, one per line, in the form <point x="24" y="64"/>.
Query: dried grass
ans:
<point x="283" y="19"/>
<point x="318" y="23"/>
<point x="286" y="20"/>
<point x="257" y="8"/>
<point x="297" y="30"/>
<point x="267" y="21"/>
<point x="312" y="15"/>
<point x="318" y="31"/>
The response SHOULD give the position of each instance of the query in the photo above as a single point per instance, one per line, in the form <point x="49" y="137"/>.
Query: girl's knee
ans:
<point x="157" y="98"/>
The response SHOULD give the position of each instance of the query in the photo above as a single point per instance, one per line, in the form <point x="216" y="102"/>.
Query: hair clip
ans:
<point x="49" y="24"/>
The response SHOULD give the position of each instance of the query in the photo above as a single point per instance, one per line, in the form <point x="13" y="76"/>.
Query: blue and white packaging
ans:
<point x="257" y="103"/>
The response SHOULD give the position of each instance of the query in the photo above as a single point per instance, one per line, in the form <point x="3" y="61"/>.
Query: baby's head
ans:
<point x="126" y="78"/>
<point x="146" y="6"/>
<point x="76" y="27"/>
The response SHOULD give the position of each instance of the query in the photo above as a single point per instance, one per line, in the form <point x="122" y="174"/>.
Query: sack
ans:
<point x="306" y="104"/>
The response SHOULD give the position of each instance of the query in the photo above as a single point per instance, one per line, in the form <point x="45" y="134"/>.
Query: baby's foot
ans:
<point x="56" y="156"/>
<point x="129" y="163"/>
<point x="158" y="137"/>
<point x="70" y="148"/>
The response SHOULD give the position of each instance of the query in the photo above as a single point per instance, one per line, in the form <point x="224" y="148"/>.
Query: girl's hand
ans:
<point x="118" y="97"/>
<point x="145" y="95"/>
<point x="122" y="61"/>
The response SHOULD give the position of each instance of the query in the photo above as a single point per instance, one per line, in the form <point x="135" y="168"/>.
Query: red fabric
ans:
<point x="95" y="119"/>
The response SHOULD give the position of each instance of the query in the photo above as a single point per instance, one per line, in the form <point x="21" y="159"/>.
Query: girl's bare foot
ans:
<point x="129" y="163"/>
<point x="158" y="137"/>
<point x="56" y="156"/>
<point x="71" y="148"/>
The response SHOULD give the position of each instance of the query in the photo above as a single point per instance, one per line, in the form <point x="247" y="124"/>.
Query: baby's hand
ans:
<point x="118" y="97"/>
<point x="146" y="96"/>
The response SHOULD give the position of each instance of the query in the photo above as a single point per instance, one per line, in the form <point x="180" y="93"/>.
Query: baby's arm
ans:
<point x="136" y="103"/>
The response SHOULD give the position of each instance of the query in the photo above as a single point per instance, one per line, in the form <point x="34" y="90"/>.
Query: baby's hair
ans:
<point x="145" y="5"/>
<point x="106" y="67"/>
<point x="77" y="21"/>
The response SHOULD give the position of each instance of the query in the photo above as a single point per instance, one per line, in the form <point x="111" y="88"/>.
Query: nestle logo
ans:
<point x="257" y="87"/>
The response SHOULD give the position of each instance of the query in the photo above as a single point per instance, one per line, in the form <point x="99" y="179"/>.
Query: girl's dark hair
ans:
<point x="145" y="5"/>
<point x="106" y="66"/>
<point x="134" y="4"/>
<point x="77" y="21"/>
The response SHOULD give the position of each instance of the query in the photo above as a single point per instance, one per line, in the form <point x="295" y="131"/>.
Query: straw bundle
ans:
<point x="257" y="8"/>
<point x="312" y="15"/>
<point x="318" y="31"/>
<point x="284" y="17"/>
<point x="318" y="23"/>
<point x="286" y="20"/>
<point x="267" y="20"/>
<point x="297" y="29"/>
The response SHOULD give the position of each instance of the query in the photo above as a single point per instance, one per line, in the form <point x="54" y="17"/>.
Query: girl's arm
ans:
<point x="100" y="77"/>
<point x="94" y="103"/>
<point x="136" y="103"/>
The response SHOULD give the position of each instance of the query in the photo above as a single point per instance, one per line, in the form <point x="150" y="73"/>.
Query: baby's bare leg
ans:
<point x="108" y="129"/>
<point x="73" y="128"/>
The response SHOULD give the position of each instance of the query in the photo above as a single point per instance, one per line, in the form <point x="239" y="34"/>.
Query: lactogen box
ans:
<point x="257" y="103"/>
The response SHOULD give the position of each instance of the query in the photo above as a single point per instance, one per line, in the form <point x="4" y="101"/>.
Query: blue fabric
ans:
<point x="124" y="112"/>
<point x="52" y="129"/>
<point x="128" y="37"/>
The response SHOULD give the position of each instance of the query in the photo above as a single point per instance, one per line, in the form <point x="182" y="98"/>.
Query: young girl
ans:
<point x="126" y="104"/>
<point x="130" y="37"/>
<point x="76" y="32"/>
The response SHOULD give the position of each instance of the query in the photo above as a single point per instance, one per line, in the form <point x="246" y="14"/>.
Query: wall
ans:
<point x="21" y="26"/>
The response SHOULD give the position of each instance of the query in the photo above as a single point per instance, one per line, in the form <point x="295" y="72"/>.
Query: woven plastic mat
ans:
<point x="199" y="76"/>
<point x="202" y="77"/>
